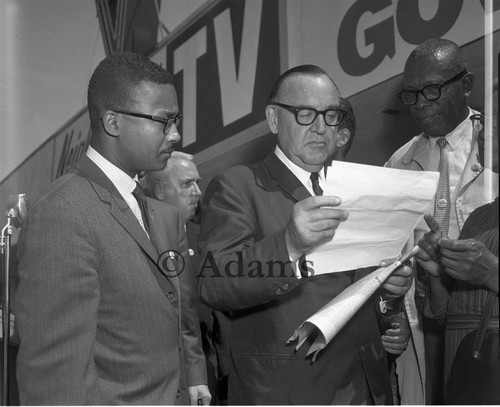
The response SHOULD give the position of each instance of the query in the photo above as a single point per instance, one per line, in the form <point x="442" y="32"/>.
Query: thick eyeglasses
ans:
<point x="306" y="115"/>
<point x="167" y="122"/>
<point x="431" y="92"/>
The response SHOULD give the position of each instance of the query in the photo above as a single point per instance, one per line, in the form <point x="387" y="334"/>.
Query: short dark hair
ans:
<point x="348" y="122"/>
<point x="309" y="70"/>
<point x="115" y="79"/>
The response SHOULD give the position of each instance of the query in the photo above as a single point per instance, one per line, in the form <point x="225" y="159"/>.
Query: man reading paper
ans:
<point x="259" y="223"/>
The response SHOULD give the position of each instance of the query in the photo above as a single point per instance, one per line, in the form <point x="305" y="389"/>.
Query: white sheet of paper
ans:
<point x="384" y="207"/>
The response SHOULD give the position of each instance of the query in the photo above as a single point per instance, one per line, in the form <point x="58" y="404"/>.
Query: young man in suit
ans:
<point x="258" y="223"/>
<point x="98" y="312"/>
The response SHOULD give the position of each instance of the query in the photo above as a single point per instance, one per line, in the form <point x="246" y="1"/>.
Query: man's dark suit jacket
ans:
<point x="98" y="320"/>
<point x="245" y="212"/>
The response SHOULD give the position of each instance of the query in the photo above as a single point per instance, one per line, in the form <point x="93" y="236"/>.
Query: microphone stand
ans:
<point x="5" y="257"/>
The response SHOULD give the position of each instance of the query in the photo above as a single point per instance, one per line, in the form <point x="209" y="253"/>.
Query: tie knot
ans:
<point x="315" y="183"/>
<point x="314" y="177"/>
<point x="441" y="142"/>
<point x="138" y="192"/>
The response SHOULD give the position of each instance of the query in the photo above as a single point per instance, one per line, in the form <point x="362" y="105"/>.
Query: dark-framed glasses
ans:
<point x="431" y="92"/>
<point x="306" y="115"/>
<point x="166" y="121"/>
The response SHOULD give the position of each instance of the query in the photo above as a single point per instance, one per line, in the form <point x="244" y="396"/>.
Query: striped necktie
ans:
<point x="442" y="203"/>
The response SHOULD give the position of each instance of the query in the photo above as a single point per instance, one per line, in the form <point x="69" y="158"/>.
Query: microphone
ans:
<point x="17" y="210"/>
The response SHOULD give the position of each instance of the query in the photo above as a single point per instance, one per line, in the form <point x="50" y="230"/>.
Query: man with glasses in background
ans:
<point x="437" y="84"/>
<point x="259" y="222"/>
<point x="98" y="313"/>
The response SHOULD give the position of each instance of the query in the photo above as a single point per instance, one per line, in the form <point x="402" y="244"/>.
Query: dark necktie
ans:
<point x="442" y="203"/>
<point x="143" y="206"/>
<point x="315" y="183"/>
<point x="302" y="263"/>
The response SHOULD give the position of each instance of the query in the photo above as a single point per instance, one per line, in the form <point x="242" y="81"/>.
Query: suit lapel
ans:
<point x="286" y="180"/>
<point x="161" y="243"/>
<point x="119" y="209"/>
<point x="468" y="174"/>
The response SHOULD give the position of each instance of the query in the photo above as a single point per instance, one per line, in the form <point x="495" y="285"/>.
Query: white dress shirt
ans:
<point x="459" y="147"/>
<point x="305" y="178"/>
<point x="121" y="180"/>
<point x="303" y="175"/>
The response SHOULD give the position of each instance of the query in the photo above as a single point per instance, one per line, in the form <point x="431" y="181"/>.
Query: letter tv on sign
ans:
<point x="224" y="67"/>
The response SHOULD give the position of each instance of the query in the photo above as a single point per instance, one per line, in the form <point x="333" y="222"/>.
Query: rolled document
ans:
<point x="330" y="319"/>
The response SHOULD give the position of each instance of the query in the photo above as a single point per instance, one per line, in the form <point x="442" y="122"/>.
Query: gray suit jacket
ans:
<point x="98" y="320"/>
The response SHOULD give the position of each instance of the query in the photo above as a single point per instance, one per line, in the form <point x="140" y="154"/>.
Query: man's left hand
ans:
<point x="199" y="392"/>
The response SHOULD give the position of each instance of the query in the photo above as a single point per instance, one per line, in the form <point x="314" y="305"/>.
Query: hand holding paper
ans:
<point x="384" y="207"/>
<point x="313" y="222"/>
<point x="398" y="283"/>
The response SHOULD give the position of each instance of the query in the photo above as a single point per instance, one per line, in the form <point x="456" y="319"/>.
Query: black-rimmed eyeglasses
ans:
<point x="431" y="92"/>
<point x="166" y="121"/>
<point x="306" y="115"/>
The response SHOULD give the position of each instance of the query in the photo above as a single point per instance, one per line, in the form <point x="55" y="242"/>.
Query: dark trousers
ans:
<point x="434" y="361"/>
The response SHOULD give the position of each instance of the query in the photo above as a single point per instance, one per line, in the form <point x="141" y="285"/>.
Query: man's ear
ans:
<point x="158" y="190"/>
<point x="111" y="123"/>
<point x="468" y="83"/>
<point x="343" y="137"/>
<point x="272" y="118"/>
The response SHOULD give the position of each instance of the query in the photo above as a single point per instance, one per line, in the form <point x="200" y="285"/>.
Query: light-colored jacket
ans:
<point x="472" y="193"/>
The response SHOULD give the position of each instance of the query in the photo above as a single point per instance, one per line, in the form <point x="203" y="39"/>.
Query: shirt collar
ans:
<point x="120" y="179"/>
<point x="458" y="134"/>
<point x="300" y="173"/>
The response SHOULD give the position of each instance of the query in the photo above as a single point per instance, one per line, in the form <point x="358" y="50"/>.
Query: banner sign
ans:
<point x="365" y="42"/>
<point x="226" y="57"/>
<point x="224" y="65"/>
<point x="70" y="146"/>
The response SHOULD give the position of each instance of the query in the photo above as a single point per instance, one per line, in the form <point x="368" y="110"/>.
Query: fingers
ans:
<point x="467" y="245"/>
<point x="394" y="348"/>
<point x="319" y="201"/>
<point x="314" y="221"/>
<point x="395" y="339"/>
<point x="432" y="223"/>
<point x="399" y="282"/>
<point x="431" y="267"/>
<point x="404" y="270"/>
<point x="387" y="262"/>
<point x="429" y="250"/>
<point x="327" y="213"/>
<point x="394" y="344"/>
<point x="324" y="224"/>
<point x="429" y="245"/>
<point x="422" y="256"/>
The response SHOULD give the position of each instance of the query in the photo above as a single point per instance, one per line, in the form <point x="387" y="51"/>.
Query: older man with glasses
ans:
<point x="259" y="222"/>
<point x="437" y="84"/>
